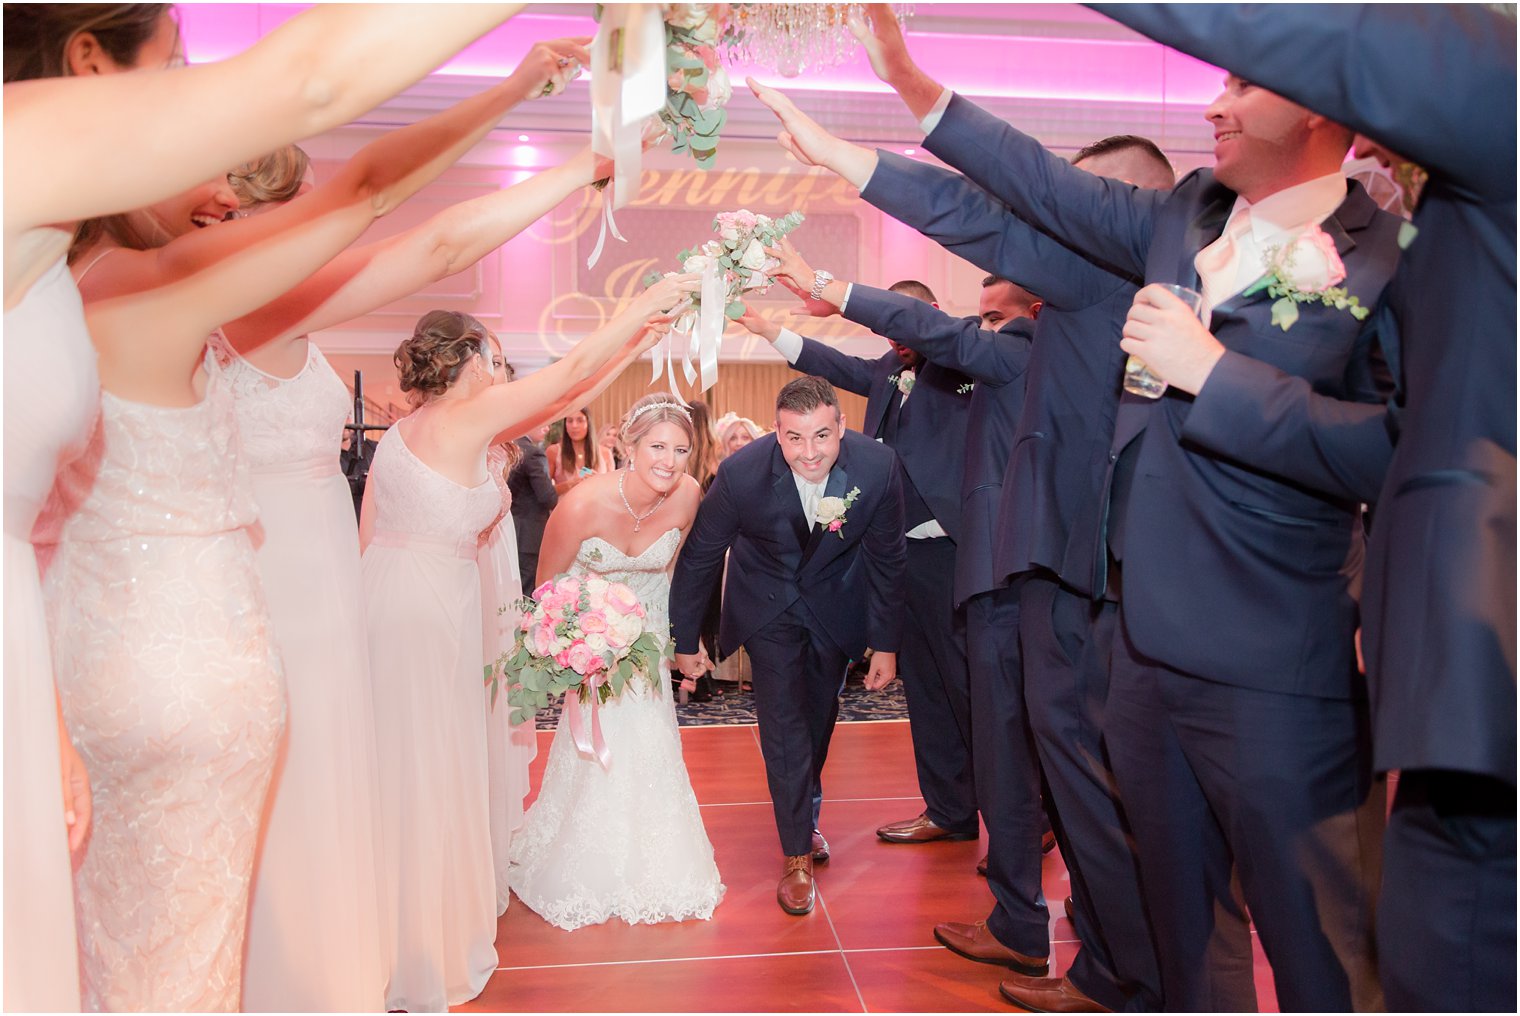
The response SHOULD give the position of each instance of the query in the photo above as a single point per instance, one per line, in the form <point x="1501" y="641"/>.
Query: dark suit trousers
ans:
<point x="1007" y="773"/>
<point x="798" y="675"/>
<point x="1446" y="921"/>
<point x="1067" y="644"/>
<point x="527" y="569"/>
<point x="937" y="682"/>
<point x="1280" y="785"/>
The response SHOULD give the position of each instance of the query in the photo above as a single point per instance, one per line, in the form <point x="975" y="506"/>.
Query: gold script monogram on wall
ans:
<point x="671" y="205"/>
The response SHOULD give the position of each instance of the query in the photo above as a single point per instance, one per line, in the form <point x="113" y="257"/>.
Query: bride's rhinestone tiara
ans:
<point x="657" y="405"/>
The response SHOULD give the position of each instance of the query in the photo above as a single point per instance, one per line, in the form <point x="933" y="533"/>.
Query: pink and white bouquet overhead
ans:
<point x="578" y="634"/>
<point x="698" y="86"/>
<point x="732" y="264"/>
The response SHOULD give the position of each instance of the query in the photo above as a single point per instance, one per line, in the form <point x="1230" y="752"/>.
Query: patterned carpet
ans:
<point x="731" y="707"/>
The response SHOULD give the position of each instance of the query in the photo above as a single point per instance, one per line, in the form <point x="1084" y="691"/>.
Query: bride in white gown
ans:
<point x="625" y="841"/>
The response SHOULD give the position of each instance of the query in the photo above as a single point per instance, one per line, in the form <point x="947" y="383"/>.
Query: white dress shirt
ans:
<point x="810" y="493"/>
<point x="1274" y="220"/>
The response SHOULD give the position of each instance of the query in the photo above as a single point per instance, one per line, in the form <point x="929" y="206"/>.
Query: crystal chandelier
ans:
<point x="793" y="38"/>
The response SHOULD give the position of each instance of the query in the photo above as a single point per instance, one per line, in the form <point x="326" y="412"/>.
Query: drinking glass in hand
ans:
<point x="1138" y="379"/>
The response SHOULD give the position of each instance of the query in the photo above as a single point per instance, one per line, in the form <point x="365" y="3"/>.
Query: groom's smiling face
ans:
<point x="810" y="441"/>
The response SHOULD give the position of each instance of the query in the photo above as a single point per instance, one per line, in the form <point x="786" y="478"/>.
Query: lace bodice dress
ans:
<point x="313" y="932"/>
<point x="52" y="394"/>
<point x="172" y="690"/>
<point x="423" y="613"/>
<point x="626" y="841"/>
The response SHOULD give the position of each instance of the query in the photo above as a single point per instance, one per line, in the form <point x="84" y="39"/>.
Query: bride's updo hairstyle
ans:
<point x="650" y="410"/>
<point x="431" y="360"/>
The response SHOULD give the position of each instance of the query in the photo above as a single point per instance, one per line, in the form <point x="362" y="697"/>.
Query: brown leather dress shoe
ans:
<point x="975" y="942"/>
<point x="1047" y="994"/>
<point x="919" y="830"/>
<point x="795" y="893"/>
<point x="981" y="866"/>
<point x="1047" y="842"/>
<point x="820" y="848"/>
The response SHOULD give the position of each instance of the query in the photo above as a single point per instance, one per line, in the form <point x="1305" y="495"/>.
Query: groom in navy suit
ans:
<point x="918" y="409"/>
<point x="812" y="522"/>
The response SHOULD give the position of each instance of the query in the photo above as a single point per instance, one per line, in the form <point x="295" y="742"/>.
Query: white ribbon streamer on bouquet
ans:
<point x="702" y="329"/>
<point x="624" y="93"/>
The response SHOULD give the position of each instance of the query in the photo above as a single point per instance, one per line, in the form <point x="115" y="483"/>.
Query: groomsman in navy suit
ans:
<point x="919" y="410"/>
<point x="811" y="519"/>
<point x="1435" y="84"/>
<point x="1237" y="720"/>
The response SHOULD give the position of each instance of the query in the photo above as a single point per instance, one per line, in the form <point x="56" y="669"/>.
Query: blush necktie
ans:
<point x="1218" y="264"/>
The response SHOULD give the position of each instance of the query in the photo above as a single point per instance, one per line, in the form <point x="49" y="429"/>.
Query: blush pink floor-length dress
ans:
<point x="52" y="394"/>
<point x="510" y="749"/>
<point x="173" y="693"/>
<point x="423" y="614"/>
<point x="313" y="927"/>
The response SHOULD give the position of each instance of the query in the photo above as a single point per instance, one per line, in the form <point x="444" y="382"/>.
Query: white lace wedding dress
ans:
<point x="626" y="841"/>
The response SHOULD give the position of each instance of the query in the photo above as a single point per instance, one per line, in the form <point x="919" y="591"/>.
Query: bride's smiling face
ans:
<point x="660" y="456"/>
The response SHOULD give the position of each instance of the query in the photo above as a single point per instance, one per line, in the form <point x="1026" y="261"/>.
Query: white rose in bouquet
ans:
<point x="719" y="91"/>
<point x="697" y="263"/>
<point x="707" y="30"/>
<point x="686" y="16"/>
<point x="754" y="256"/>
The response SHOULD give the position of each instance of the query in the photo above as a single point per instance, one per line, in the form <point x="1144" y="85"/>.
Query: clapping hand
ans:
<point x="1165" y="333"/>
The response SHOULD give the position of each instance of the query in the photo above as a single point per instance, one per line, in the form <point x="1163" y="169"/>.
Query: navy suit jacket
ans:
<point x="931" y="428"/>
<point x="1230" y="572"/>
<point x="851" y="581"/>
<point x="998" y="361"/>
<point x="1439" y="604"/>
<point x="533" y="497"/>
<point x="1049" y="507"/>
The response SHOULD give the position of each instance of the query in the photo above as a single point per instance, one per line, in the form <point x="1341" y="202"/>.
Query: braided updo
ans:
<point x="432" y="359"/>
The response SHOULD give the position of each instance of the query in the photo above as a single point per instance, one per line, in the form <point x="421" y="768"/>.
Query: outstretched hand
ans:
<point x="880" y="34"/>
<point x="809" y="143"/>
<point x="763" y="327"/>
<point x="797" y="276"/>
<point x="551" y="65"/>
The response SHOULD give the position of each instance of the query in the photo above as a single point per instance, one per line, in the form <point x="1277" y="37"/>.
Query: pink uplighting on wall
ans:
<point x="1095" y="70"/>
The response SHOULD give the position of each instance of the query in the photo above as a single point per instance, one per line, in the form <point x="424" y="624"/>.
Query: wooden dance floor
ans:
<point x="868" y="946"/>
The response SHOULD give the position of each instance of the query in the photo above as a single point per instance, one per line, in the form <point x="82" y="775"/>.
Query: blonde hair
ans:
<point x="654" y="409"/>
<point x="274" y="178"/>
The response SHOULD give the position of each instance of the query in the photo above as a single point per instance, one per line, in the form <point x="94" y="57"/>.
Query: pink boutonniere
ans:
<point x="1307" y="270"/>
<point x="831" y="511"/>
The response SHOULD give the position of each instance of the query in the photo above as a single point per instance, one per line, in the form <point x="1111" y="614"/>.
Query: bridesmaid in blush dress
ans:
<point x="426" y="503"/>
<point x="62" y="82"/>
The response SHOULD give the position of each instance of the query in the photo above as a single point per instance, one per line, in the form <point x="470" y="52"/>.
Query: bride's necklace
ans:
<point x="637" y="518"/>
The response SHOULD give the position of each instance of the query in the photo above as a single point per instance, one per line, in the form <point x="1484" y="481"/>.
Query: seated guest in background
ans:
<point x="578" y="454"/>
<point x="533" y="498"/>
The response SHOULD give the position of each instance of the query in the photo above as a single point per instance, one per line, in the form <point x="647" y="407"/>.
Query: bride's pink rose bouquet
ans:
<point x="737" y="256"/>
<point x="581" y="634"/>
